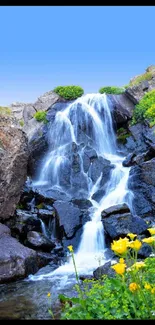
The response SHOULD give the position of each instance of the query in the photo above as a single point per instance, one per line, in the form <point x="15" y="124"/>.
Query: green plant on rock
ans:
<point x="40" y="116"/>
<point x="111" y="90"/>
<point x="69" y="92"/>
<point x="21" y="122"/>
<point x="145" y="108"/>
<point x="138" y="79"/>
<point x="130" y="294"/>
<point x="122" y="135"/>
<point x="5" y="110"/>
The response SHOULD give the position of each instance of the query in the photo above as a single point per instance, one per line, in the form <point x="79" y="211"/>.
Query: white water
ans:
<point x="89" y="110"/>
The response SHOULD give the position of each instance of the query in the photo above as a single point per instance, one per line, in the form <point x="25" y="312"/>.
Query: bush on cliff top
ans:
<point x="5" y="110"/>
<point x="138" y="79"/>
<point x="69" y="92"/>
<point x="111" y="90"/>
<point x="145" y="109"/>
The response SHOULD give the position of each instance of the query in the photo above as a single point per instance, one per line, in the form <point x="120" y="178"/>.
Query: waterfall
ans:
<point x="90" y="113"/>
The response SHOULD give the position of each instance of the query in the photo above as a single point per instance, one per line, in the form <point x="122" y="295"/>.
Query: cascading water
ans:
<point x="91" y="114"/>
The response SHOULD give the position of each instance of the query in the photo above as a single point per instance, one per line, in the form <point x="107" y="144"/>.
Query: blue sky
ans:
<point x="92" y="46"/>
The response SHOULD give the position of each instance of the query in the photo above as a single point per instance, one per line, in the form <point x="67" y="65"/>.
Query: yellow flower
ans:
<point x="153" y="290"/>
<point x="131" y="236"/>
<point x="151" y="231"/>
<point x="138" y="265"/>
<point x="70" y="248"/>
<point x="133" y="286"/>
<point x="147" y="286"/>
<point x="48" y="295"/>
<point x="119" y="268"/>
<point x="149" y="240"/>
<point x="121" y="260"/>
<point x="120" y="246"/>
<point x="135" y="244"/>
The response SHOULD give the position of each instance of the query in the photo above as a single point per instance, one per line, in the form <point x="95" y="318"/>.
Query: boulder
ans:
<point x="136" y="92"/>
<point x="100" y="165"/>
<point x="16" y="260"/>
<point x="122" y="108"/>
<point x="142" y="184"/>
<point x="119" y="225"/>
<point x="37" y="240"/>
<point x="69" y="217"/>
<point x="13" y="165"/>
<point x="104" y="270"/>
<point x="115" y="209"/>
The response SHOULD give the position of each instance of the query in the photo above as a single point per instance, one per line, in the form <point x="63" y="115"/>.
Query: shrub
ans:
<point x="111" y="90"/>
<point x="21" y="122"/>
<point x="122" y="135"/>
<point x="40" y="116"/>
<point x="145" y="108"/>
<point x="130" y="294"/>
<point x="5" y="110"/>
<point x="143" y="77"/>
<point x="69" y="92"/>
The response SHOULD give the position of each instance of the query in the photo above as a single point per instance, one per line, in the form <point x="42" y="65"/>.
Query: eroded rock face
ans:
<point x="16" y="260"/>
<point x="13" y="165"/>
<point x="135" y="93"/>
<point x="142" y="183"/>
<point x="122" y="108"/>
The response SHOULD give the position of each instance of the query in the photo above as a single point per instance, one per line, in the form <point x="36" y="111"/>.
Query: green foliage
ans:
<point x="5" y="110"/>
<point x="143" y="77"/>
<point x="69" y="92"/>
<point x="21" y="122"/>
<point x="111" y="90"/>
<point x="40" y="205"/>
<point x="130" y="294"/>
<point x="145" y="108"/>
<point x="40" y="116"/>
<point x="122" y="135"/>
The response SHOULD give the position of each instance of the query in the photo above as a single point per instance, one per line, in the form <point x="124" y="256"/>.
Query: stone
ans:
<point x="13" y="165"/>
<point x="115" y="209"/>
<point x="118" y="225"/>
<point x="104" y="270"/>
<point x="37" y="240"/>
<point x="16" y="260"/>
<point x="122" y="108"/>
<point x="69" y="217"/>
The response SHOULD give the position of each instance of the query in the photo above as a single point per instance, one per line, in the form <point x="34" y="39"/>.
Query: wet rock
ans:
<point x="39" y="241"/>
<point x="122" y="108"/>
<point x="46" y="215"/>
<point x="115" y="209"/>
<point x="104" y="270"/>
<point x="13" y="165"/>
<point x="98" y="195"/>
<point x="82" y="204"/>
<point x="119" y="225"/>
<point x="142" y="183"/>
<point x="98" y="166"/>
<point x="74" y="241"/>
<point x="144" y="251"/>
<point x="69" y="217"/>
<point x="44" y="259"/>
<point x="128" y="161"/>
<point x="16" y="260"/>
<point x="50" y="195"/>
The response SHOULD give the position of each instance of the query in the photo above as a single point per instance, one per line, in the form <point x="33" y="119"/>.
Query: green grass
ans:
<point x="69" y="92"/>
<point x="111" y="90"/>
<point x="40" y="116"/>
<point x="5" y="110"/>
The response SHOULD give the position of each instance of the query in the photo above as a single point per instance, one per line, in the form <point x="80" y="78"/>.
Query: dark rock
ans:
<point x="86" y="277"/>
<point x="104" y="270"/>
<point x="69" y="216"/>
<point x="46" y="215"/>
<point x="115" y="209"/>
<point x="45" y="258"/>
<point x="117" y="225"/>
<point x="98" y="195"/>
<point x="98" y="166"/>
<point x="82" y="204"/>
<point x="122" y="108"/>
<point x="74" y="241"/>
<point x="50" y="195"/>
<point x="13" y="165"/>
<point x="142" y="183"/>
<point x="39" y="241"/>
<point x="135" y="93"/>
<point x="144" y="251"/>
<point x="128" y="161"/>
<point x="16" y="260"/>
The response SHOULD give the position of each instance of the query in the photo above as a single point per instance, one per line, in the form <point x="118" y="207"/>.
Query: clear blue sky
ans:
<point x="92" y="46"/>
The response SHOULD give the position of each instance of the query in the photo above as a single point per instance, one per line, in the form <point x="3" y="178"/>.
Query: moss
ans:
<point x="69" y="92"/>
<point x="40" y="116"/>
<point x="111" y="90"/>
<point x="122" y="135"/>
<point x="143" y="77"/>
<point x="40" y="205"/>
<point x="5" y="110"/>
<point x="21" y="122"/>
